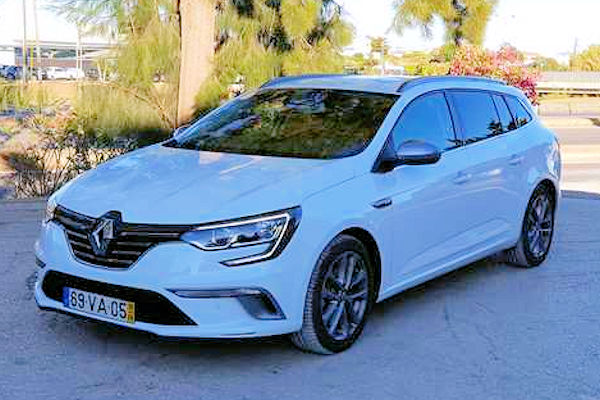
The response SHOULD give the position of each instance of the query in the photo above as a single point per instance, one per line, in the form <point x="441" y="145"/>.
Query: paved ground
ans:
<point x="487" y="331"/>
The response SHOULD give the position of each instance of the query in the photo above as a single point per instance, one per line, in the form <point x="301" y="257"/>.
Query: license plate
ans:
<point x="97" y="304"/>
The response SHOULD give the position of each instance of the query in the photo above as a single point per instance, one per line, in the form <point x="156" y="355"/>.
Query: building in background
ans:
<point x="7" y="55"/>
<point x="82" y="56"/>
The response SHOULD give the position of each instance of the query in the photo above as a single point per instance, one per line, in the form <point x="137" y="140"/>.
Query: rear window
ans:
<point x="302" y="123"/>
<point x="476" y="113"/>
<point x="520" y="114"/>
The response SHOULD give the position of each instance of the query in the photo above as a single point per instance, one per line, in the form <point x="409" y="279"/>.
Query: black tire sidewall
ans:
<point x="330" y="254"/>
<point x="531" y="259"/>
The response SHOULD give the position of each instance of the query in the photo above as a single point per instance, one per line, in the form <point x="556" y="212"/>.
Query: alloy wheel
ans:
<point x="539" y="225"/>
<point x="344" y="295"/>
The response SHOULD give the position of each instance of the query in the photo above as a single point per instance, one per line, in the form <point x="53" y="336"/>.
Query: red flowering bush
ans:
<point x="506" y="64"/>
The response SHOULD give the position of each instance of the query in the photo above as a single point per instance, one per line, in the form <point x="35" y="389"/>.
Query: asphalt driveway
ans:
<point x="487" y="331"/>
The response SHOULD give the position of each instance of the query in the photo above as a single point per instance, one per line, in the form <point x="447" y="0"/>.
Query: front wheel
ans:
<point x="537" y="230"/>
<point x="339" y="298"/>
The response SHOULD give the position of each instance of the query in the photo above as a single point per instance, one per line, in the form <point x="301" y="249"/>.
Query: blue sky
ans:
<point x="549" y="27"/>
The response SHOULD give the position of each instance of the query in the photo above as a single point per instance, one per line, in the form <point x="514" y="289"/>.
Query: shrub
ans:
<point x="58" y="154"/>
<point x="506" y="64"/>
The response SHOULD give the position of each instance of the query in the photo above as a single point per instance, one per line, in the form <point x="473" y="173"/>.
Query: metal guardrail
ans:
<point x="569" y="82"/>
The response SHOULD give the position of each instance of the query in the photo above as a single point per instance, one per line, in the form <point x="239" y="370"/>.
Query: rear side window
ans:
<point x="476" y="114"/>
<point x="506" y="119"/>
<point x="520" y="114"/>
<point x="427" y="119"/>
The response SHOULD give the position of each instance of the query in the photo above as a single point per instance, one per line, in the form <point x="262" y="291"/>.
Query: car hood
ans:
<point x="166" y="185"/>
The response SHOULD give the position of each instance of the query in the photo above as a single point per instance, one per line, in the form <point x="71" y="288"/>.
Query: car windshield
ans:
<point x="302" y="123"/>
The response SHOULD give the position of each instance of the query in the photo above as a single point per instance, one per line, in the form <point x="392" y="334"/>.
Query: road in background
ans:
<point x="487" y="331"/>
<point x="580" y="150"/>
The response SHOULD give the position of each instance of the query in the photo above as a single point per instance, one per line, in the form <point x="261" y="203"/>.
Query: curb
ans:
<point x="573" y="122"/>
<point x="32" y="200"/>
<point x="576" y="194"/>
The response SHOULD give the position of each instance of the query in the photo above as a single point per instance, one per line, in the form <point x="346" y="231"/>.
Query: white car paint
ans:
<point x="437" y="221"/>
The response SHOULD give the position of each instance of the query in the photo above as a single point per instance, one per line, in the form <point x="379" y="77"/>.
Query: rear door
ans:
<point x="523" y="154"/>
<point x="487" y="179"/>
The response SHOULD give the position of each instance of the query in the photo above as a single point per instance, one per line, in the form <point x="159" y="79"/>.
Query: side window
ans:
<point x="476" y="114"/>
<point x="505" y="116"/>
<point x="428" y="119"/>
<point x="520" y="114"/>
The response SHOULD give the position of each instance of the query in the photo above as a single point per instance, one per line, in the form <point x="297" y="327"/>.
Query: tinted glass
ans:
<point x="518" y="111"/>
<point x="505" y="116"/>
<point x="428" y="119"/>
<point x="476" y="114"/>
<point x="304" y="123"/>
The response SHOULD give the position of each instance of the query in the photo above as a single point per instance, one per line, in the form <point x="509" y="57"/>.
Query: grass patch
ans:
<point x="19" y="96"/>
<point x="107" y="111"/>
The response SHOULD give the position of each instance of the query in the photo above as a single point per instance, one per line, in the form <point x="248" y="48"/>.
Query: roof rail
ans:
<point x="447" y="78"/>
<point x="292" y="78"/>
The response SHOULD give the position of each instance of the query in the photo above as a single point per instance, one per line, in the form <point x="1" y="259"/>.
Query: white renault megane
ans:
<point x="295" y="208"/>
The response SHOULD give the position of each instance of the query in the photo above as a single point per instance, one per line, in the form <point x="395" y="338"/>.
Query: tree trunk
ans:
<point x="197" y="19"/>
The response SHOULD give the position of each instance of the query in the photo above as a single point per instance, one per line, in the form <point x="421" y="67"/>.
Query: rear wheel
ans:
<point x="537" y="230"/>
<point x="339" y="298"/>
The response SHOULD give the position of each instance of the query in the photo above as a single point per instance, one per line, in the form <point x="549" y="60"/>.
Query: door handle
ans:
<point x="461" y="178"/>
<point x="515" y="159"/>
<point x="385" y="202"/>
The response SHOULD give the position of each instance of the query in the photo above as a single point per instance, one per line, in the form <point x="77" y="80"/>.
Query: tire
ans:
<point x="537" y="230"/>
<point x="340" y="295"/>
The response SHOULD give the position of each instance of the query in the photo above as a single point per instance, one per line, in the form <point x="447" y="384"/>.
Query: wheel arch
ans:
<point x="551" y="185"/>
<point x="374" y="253"/>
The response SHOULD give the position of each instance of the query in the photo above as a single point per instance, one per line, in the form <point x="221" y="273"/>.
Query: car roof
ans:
<point x="383" y="84"/>
<point x="365" y="83"/>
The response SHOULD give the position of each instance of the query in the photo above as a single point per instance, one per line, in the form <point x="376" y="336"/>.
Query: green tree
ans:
<point x="262" y="39"/>
<point x="463" y="19"/>
<point x="256" y="39"/>
<point x="148" y="31"/>
<point x="588" y="60"/>
<point x="548" y="64"/>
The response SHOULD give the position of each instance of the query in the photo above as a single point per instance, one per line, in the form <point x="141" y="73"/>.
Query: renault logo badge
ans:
<point x="102" y="234"/>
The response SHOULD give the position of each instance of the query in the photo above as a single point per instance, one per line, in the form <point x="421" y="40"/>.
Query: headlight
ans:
<point x="50" y="209"/>
<point x="272" y="230"/>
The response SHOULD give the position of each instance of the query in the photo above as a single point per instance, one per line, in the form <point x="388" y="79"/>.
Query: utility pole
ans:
<point x="78" y="61"/>
<point x="379" y="45"/>
<point x="38" y="58"/>
<point x="24" y="44"/>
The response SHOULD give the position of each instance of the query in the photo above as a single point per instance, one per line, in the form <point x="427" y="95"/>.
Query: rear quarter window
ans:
<point x="505" y="116"/>
<point x="520" y="115"/>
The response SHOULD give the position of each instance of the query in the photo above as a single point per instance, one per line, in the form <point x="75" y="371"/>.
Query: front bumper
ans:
<point x="220" y="301"/>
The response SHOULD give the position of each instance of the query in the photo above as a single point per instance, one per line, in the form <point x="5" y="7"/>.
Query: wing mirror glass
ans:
<point x="416" y="152"/>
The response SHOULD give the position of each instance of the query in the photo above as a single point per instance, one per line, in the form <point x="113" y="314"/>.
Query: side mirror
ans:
<point x="416" y="152"/>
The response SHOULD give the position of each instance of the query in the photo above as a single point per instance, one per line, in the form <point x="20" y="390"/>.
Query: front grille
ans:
<point x="131" y="240"/>
<point x="150" y="307"/>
